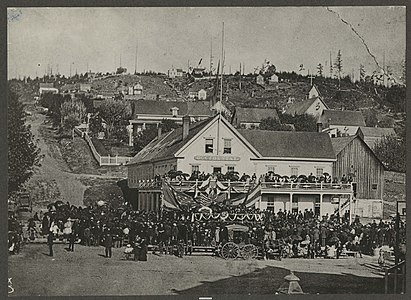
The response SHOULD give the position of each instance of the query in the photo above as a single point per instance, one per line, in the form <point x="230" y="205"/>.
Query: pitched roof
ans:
<point x="342" y="117"/>
<point x="339" y="143"/>
<point x="198" y="108"/>
<point x="290" y="144"/>
<point x="299" y="108"/>
<point x="168" y="143"/>
<point x="255" y="115"/>
<point x="376" y="131"/>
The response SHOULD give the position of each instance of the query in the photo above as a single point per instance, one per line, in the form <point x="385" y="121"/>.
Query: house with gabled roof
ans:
<point x="311" y="106"/>
<point x="341" y="122"/>
<point x="355" y="159"/>
<point x="215" y="146"/>
<point x="152" y="112"/>
<point x="372" y="135"/>
<point x="251" y="117"/>
<point x="314" y="92"/>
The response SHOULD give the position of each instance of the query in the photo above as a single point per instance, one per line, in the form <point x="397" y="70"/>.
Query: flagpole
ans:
<point x="222" y="64"/>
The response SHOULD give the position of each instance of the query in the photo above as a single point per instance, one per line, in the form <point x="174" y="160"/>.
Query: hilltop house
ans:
<point x="312" y="106"/>
<point x="151" y="112"/>
<point x="251" y="117"/>
<point x="356" y="159"/>
<point x="198" y="72"/>
<point x="173" y="73"/>
<point x="195" y="93"/>
<point x="260" y="79"/>
<point x="341" y="122"/>
<point x="273" y="79"/>
<point x="215" y="146"/>
<point x="46" y="87"/>
<point x="371" y="135"/>
<point x="136" y="89"/>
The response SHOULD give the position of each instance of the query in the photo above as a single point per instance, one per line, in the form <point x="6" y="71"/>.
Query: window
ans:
<point x="320" y="172"/>
<point x="227" y="146"/>
<point x="230" y="169"/>
<point x="271" y="169"/>
<point x="174" y="111"/>
<point x="270" y="203"/>
<point x="294" y="207"/>
<point x="195" y="168"/>
<point x="216" y="170"/>
<point x="374" y="186"/>
<point x="294" y="171"/>
<point x="209" y="146"/>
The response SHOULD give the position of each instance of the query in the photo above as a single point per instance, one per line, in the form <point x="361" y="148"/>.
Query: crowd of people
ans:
<point x="177" y="232"/>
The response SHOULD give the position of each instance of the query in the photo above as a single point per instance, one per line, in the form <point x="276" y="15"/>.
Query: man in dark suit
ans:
<point x="108" y="243"/>
<point x="50" y="243"/>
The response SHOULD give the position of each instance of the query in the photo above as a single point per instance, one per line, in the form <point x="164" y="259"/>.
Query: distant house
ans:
<point x="136" y="89"/>
<point x="312" y="106"/>
<point x="251" y="117"/>
<point x="196" y="93"/>
<point x="152" y="112"/>
<point x="198" y="72"/>
<point x="260" y="79"/>
<point x="341" y="122"/>
<point x="356" y="159"/>
<point x="219" y="107"/>
<point x="46" y="87"/>
<point x="173" y="73"/>
<point x="273" y="79"/>
<point x="202" y="94"/>
<point x="314" y="92"/>
<point x="371" y="135"/>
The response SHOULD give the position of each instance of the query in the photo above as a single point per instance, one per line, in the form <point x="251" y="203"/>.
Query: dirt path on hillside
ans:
<point x="53" y="166"/>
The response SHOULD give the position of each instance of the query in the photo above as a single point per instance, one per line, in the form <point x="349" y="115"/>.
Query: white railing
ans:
<point x="241" y="186"/>
<point x="106" y="160"/>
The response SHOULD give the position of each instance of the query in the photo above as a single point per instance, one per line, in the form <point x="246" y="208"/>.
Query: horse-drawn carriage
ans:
<point x="237" y="245"/>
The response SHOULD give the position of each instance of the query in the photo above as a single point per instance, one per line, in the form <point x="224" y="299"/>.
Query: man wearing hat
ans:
<point x="50" y="243"/>
<point x="108" y="243"/>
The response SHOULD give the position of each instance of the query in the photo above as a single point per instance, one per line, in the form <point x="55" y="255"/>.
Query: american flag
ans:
<point x="176" y="200"/>
<point x="249" y="199"/>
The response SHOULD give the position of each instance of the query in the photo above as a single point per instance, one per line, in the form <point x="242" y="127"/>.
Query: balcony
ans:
<point x="266" y="187"/>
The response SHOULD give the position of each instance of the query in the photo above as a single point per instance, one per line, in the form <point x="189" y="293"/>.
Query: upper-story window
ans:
<point x="227" y="146"/>
<point x="294" y="171"/>
<point x="319" y="172"/>
<point x="271" y="169"/>
<point x="209" y="146"/>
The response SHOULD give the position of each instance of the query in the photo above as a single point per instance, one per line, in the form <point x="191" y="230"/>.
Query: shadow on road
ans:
<point x="269" y="279"/>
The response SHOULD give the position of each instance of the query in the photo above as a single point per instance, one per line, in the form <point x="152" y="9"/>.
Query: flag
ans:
<point x="253" y="195"/>
<point x="199" y="63"/>
<point x="176" y="200"/>
<point x="202" y="199"/>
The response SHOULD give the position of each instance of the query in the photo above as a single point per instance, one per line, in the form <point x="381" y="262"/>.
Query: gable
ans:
<point x="218" y="130"/>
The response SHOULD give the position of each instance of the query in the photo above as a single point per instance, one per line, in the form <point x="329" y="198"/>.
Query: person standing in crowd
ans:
<point x="50" y="241"/>
<point x="143" y="250"/>
<point x="137" y="248"/>
<point x="72" y="238"/>
<point x="108" y="244"/>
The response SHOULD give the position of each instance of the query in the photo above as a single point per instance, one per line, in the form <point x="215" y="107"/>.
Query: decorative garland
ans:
<point x="224" y="216"/>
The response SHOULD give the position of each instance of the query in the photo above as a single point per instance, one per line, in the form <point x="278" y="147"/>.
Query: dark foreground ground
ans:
<point x="87" y="272"/>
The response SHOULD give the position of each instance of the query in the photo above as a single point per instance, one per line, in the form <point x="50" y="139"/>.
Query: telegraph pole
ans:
<point x="222" y="65"/>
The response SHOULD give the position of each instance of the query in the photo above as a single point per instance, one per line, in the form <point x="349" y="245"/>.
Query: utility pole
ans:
<point x="211" y="57"/>
<point x="222" y="65"/>
<point x="135" y="61"/>
<point x="331" y="67"/>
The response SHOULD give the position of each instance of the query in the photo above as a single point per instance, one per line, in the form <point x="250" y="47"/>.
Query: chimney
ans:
<point x="319" y="127"/>
<point x="158" y="131"/>
<point x="186" y="126"/>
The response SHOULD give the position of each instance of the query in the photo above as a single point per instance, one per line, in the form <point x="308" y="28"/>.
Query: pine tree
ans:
<point x="23" y="153"/>
<point x="338" y="66"/>
<point x="320" y="69"/>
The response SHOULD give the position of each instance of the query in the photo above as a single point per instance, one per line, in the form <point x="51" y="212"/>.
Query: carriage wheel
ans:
<point x="249" y="251"/>
<point x="230" y="250"/>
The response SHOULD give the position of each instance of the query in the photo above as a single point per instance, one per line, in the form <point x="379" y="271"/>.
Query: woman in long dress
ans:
<point x="143" y="250"/>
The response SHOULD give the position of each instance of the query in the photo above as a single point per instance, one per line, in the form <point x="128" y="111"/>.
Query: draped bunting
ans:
<point x="225" y="216"/>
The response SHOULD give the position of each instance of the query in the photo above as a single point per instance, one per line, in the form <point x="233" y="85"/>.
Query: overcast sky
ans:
<point x="167" y="37"/>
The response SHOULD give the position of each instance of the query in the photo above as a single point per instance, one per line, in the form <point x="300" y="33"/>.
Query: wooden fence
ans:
<point x="102" y="160"/>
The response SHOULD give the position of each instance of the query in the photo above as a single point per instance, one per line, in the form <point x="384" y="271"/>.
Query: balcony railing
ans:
<point x="244" y="187"/>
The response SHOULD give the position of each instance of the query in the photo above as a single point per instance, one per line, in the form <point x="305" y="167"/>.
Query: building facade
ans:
<point x="215" y="146"/>
<point x="341" y="122"/>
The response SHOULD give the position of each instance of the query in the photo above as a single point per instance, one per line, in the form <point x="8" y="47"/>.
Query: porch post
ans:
<point x="291" y="202"/>
<point x="321" y="206"/>
<point x="350" y="208"/>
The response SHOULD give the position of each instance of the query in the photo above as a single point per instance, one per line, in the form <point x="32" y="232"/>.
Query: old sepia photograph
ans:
<point x="206" y="151"/>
